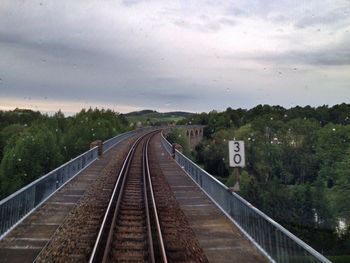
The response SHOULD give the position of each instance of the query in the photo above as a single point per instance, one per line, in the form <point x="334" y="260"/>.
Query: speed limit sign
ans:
<point x="236" y="153"/>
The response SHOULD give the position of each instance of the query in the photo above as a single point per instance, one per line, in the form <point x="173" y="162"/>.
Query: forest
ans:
<point x="297" y="166"/>
<point x="32" y="144"/>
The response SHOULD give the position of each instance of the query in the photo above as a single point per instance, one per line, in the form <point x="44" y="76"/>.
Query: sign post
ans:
<point x="237" y="160"/>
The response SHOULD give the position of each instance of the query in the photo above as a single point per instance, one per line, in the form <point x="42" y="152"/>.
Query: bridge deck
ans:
<point x="219" y="238"/>
<point x="26" y="240"/>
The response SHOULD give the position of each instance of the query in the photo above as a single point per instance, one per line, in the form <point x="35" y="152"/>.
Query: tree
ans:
<point x="250" y="189"/>
<point x="342" y="187"/>
<point x="33" y="154"/>
<point x="6" y="133"/>
<point x="332" y="143"/>
<point x="179" y="136"/>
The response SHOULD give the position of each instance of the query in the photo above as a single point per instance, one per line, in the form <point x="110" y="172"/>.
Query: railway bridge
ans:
<point x="194" y="134"/>
<point x="130" y="200"/>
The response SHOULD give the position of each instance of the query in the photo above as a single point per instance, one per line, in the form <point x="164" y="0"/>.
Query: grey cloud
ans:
<point x="206" y="24"/>
<point x="43" y="48"/>
<point x="235" y="11"/>
<point x="131" y="2"/>
<point x="288" y="12"/>
<point x="335" y="16"/>
<point x="257" y="8"/>
<point x="113" y="78"/>
<point x="135" y="92"/>
<point x="336" y="55"/>
<point x="228" y="21"/>
<point x="279" y="19"/>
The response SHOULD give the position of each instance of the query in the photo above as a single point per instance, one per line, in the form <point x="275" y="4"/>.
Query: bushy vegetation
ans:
<point x="298" y="166"/>
<point x="32" y="144"/>
<point x="179" y="136"/>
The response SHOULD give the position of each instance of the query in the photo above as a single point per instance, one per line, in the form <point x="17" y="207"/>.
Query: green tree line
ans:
<point x="32" y="144"/>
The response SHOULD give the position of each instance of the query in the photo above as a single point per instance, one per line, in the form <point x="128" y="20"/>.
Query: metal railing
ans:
<point x="107" y="145"/>
<point x="17" y="206"/>
<point x="272" y="239"/>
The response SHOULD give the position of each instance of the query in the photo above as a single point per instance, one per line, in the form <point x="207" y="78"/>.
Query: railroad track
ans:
<point x="130" y="230"/>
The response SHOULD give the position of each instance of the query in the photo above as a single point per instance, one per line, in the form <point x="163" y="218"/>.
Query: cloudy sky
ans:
<point x="173" y="55"/>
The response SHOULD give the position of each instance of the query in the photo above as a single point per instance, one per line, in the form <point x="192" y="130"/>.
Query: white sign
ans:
<point x="236" y="153"/>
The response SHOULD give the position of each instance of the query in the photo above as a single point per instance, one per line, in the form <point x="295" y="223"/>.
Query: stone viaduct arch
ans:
<point x="194" y="135"/>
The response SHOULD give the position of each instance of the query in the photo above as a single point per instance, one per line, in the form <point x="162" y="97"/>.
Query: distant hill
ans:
<point x="139" y="113"/>
<point x="153" y="117"/>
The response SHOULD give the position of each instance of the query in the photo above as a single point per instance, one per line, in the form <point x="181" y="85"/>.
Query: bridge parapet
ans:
<point x="17" y="206"/>
<point x="272" y="239"/>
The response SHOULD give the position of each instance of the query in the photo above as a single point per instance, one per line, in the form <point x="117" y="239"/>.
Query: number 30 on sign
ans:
<point x="236" y="153"/>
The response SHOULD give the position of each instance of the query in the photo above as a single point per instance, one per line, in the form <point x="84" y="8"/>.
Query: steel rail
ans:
<point x="96" y="252"/>
<point x="155" y="213"/>
<point x="148" y="220"/>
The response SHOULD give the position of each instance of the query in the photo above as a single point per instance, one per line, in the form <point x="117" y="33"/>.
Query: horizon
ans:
<point x="67" y="114"/>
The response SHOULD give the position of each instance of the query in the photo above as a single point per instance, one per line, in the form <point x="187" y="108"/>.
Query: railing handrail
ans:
<point x="44" y="176"/>
<point x="113" y="138"/>
<point x="259" y="212"/>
